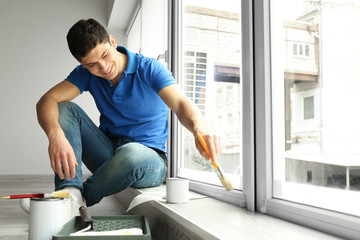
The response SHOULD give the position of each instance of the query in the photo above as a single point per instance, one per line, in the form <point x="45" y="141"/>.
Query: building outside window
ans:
<point x="316" y="135"/>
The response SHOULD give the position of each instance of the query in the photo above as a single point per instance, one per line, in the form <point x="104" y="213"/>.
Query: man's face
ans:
<point x="102" y="61"/>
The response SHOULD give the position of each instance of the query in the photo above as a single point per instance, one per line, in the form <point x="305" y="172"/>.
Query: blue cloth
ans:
<point x="133" y="109"/>
<point x="115" y="165"/>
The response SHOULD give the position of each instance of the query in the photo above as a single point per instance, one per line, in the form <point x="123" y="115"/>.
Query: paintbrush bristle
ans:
<point x="226" y="183"/>
<point x="5" y="197"/>
<point x="61" y="194"/>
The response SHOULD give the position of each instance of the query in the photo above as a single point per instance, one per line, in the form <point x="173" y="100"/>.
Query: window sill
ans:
<point x="332" y="222"/>
<point x="208" y="218"/>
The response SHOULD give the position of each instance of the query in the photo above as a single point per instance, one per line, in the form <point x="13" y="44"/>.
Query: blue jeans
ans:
<point x="115" y="164"/>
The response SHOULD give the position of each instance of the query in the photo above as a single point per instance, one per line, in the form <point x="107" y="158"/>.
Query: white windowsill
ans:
<point x="208" y="218"/>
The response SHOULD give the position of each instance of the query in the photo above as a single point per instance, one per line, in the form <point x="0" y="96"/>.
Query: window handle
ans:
<point x="164" y="56"/>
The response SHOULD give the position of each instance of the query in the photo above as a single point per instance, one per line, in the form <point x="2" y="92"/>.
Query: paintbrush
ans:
<point x="56" y="194"/>
<point x="224" y="181"/>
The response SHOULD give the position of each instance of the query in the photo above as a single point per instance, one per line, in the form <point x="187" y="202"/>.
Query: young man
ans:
<point x="133" y="94"/>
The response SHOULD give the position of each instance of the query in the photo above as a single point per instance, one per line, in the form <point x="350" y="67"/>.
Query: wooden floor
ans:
<point x="14" y="223"/>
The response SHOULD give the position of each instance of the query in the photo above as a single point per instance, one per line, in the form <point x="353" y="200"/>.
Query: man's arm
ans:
<point x="190" y="117"/>
<point x="60" y="151"/>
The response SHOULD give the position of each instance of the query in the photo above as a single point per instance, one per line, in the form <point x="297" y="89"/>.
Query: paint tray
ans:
<point x="106" y="223"/>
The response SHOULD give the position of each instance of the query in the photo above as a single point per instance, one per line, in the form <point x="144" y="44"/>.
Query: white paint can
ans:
<point x="46" y="218"/>
<point x="177" y="190"/>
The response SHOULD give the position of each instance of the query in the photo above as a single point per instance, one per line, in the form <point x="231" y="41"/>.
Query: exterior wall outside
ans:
<point x="341" y="81"/>
<point x="337" y="84"/>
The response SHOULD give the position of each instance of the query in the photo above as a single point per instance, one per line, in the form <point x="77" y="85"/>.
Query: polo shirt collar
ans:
<point x="132" y="63"/>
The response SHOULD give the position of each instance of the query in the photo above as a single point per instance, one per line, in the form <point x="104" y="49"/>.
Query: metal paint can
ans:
<point x="177" y="190"/>
<point x="46" y="218"/>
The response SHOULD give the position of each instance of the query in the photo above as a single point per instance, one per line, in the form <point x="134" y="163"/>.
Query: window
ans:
<point x="229" y="95"/>
<point x="314" y="135"/>
<point x="195" y="68"/>
<point x="309" y="108"/>
<point x="209" y="73"/>
<point x="301" y="50"/>
<point x="326" y="148"/>
<point x="290" y="133"/>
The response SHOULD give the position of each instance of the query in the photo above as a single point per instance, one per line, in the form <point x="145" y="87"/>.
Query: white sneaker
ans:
<point x="72" y="204"/>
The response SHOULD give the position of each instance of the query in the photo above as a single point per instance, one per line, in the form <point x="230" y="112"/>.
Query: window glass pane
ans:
<point x="309" y="107"/>
<point x="295" y="49"/>
<point x="211" y="44"/>
<point x="316" y="130"/>
<point x="307" y="50"/>
<point x="301" y="53"/>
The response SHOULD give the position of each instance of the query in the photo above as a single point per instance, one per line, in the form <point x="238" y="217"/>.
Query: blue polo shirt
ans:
<point x="133" y="109"/>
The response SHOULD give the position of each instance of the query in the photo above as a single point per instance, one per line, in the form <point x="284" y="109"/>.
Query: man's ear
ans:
<point x="112" y="41"/>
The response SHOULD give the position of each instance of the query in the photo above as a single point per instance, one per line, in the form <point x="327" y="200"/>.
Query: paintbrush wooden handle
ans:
<point x="204" y="145"/>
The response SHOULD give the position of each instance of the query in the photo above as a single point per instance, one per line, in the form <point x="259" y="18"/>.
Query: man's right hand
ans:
<point x="62" y="157"/>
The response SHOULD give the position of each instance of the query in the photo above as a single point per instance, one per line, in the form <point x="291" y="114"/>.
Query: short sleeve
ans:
<point x="159" y="76"/>
<point x="80" y="77"/>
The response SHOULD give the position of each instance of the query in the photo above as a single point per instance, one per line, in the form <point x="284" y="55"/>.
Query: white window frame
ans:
<point x="331" y="222"/>
<point x="256" y="77"/>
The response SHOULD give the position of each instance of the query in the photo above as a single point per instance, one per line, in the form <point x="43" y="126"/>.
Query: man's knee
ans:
<point x="65" y="107"/>
<point x="131" y="154"/>
<point x="67" y="113"/>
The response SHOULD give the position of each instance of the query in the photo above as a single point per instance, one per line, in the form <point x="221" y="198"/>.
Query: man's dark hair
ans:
<point x="84" y="36"/>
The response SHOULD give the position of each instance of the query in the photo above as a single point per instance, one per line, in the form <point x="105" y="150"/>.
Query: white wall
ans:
<point x="154" y="28"/>
<point x="149" y="30"/>
<point x="34" y="57"/>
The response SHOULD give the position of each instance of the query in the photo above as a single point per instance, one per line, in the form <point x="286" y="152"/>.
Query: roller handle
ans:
<point x="85" y="216"/>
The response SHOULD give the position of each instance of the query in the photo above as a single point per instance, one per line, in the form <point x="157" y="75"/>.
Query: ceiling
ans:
<point x="121" y="13"/>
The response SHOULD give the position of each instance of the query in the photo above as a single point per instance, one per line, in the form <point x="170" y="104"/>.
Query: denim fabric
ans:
<point x="115" y="164"/>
